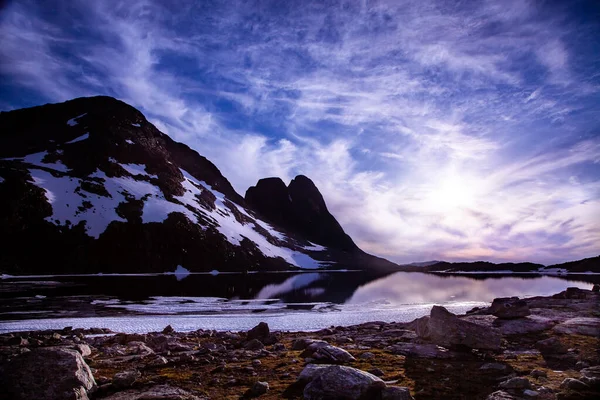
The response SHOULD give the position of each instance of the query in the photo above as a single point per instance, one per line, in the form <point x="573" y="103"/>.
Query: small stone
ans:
<point x="530" y="393"/>
<point x="574" y="384"/>
<point x="538" y="373"/>
<point x="376" y="372"/>
<point x="125" y="379"/>
<point x="366" y="356"/>
<point x="168" y="329"/>
<point x="499" y="395"/>
<point x="509" y="307"/>
<point x="493" y="366"/>
<point x="596" y="288"/>
<point x="259" y="388"/>
<point x="396" y="393"/>
<point x="256" y="363"/>
<point x="516" y="383"/>
<point x="254" y="344"/>
<point x="83" y="349"/>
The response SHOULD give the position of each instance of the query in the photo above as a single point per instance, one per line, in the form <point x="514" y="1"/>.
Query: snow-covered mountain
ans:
<point x="90" y="185"/>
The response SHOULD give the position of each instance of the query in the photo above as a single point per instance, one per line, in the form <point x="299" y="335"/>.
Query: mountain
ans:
<point x="90" y="186"/>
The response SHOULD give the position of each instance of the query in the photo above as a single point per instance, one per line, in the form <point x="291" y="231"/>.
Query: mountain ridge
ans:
<point x="90" y="185"/>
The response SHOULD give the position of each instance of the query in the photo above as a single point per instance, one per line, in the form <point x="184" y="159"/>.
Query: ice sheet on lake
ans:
<point x="288" y="321"/>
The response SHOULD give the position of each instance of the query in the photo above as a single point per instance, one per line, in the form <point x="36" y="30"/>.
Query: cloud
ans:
<point x="434" y="129"/>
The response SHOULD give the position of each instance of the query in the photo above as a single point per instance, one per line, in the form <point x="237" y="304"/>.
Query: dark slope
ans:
<point x="90" y="185"/>
<point x="299" y="208"/>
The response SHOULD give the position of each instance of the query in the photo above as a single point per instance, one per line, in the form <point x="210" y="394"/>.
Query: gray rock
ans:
<point x="516" y="383"/>
<point x="125" y="379"/>
<point x="494" y="367"/>
<point x="499" y="395"/>
<point x="574" y="384"/>
<point x="258" y="389"/>
<point x="83" y="349"/>
<point x="509" y="308"/>
<point x="419" y="350"/>
<point x="168" y="330"/>
<point x="446" y="329"/>
<point x="530" y="393"/>
<point x="396" y="393"/>
<point x="591" y="375"/>
<point x="159" y="392"/>
<point x="324" y="352"/>
<point x="303" y="343"/>
<point x="51" y="373"/>
<point x="538" y="373"/>
<point x="579" y="326"/>
<point x="342" y="383"/>
<point x="520" y="326"/>
<point x="254" y="344"/>
<point x="552" y="346"/>
<point x="260" y="332"/>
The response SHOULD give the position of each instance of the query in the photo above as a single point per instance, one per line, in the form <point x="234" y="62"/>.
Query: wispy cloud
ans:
<point x="434" y="129"/>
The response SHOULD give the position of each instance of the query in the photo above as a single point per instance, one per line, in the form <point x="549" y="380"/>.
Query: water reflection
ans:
<point x="197" y="294"/>
<point x="417" y="288"/>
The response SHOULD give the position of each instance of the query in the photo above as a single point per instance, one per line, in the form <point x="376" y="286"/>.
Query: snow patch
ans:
<point x="1" y="179"/>
<point x="137" y="169"/>
<point x="79" y="139"/>
<point x="136" y="125"/>
<point x="73" y="121"/>
<point x="129" y="141"/>
<point x="36" y="159"/>
<point x="314" y="247"/>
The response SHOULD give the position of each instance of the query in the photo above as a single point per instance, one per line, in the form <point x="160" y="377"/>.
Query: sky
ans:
<point x="435" y="130"/>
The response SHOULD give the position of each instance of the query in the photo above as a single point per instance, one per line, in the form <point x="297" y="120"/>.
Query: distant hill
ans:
<point x="580" y="266"/>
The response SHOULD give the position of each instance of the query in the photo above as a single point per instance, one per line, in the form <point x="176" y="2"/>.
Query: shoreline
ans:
<point x="547" y="349"/>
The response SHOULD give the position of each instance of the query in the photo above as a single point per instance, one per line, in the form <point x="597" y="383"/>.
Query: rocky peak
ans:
<point x="300" y="208"/>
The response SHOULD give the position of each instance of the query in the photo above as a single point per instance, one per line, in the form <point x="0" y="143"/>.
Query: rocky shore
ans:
<point x="534" y="348"/>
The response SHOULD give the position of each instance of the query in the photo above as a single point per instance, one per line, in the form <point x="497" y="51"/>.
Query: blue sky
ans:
<point x="435" y="130"/>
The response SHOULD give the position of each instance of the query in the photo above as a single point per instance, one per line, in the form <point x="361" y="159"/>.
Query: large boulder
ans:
<point x="326" y="353"/>
<point x="50" y="373"/>
<point x="158" y="392"/>
<point x="509" y="307"/>
<point x="446" y="329"/>
<point x="339" y="382"/>
<point x="580" y="326"/>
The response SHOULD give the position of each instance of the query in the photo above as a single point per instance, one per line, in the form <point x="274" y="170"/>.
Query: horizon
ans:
<point x="434" y="131"/>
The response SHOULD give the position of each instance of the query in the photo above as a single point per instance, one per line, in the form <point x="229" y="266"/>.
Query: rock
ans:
<point x="419" y="350"/>
<point x="499" y="395"/>
<point x="125" y="379"/>
<point x="159" y="392"/>
<point x="339" y="382"/>
<point x="579" y="326"/>
<point x="303" y="343"/>
<point x="509" y="308"/>
<point x="591" y="376"/>
<point x="520" y="326"/>
<point x="324" y="352"/>
<point x="574" y="384"/>
<point x="168" y="330"/>
<point x="254" y="344"/>
<point x="47" y="373"/>
<point x="573" y="293"/>
<point x="376" y="372"/>
<point x="258" y="389"/>
<point x="446" y="329"/>
<point x="516" y="383"/>
<point x="596" y="288"/>
<point x="531" y="393"/>
<point x="396" y="393"/>
<point x="552" y="346"/>
<point x="366" y="356"/>
<point x="83" y="349"/>
<point x="494" y="367"/>
<point x="260" y="331"/>
<point x="538" y="373"/>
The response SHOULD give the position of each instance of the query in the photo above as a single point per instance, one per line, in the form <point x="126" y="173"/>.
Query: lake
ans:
<point x="227" y="301"/>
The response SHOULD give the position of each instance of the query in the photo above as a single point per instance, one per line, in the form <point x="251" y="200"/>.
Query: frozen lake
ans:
<point x="287" y="301"/>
